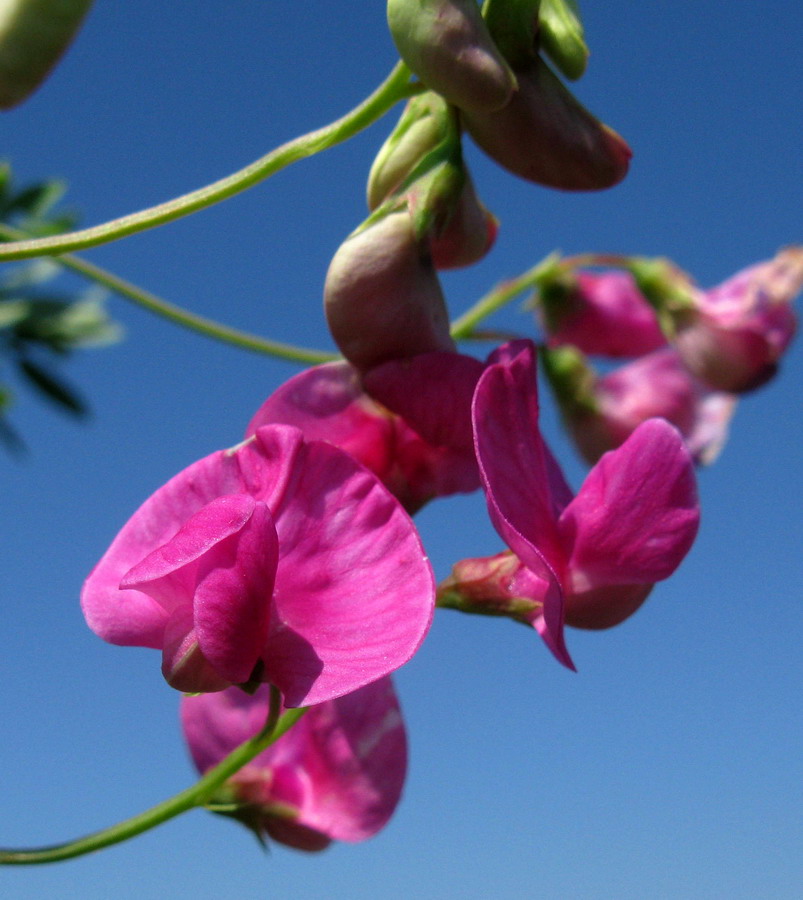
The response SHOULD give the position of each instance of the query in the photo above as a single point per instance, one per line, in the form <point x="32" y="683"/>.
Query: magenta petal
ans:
<point x="183" y="664"/>
<point x="130" y="617"/>
<point x="518" y="473"/>
<point x="221" y="565"/>
<point x="328" y="403"/>
<point x="353" y="582"/>
<point x="232" y="602"/>
<point x="340" y="768"/>
<point x="432" y="392"/>
<point x="513" y="458"/>
<point x="430" y="395"/>
<point x="637" y="513"/>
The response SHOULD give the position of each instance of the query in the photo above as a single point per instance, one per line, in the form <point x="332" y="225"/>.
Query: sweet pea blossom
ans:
<point x="602" y="412"/>
<point x="599" y="313"/>
<point x="337" y="774"/>
<point x="413" y="431"/>
<point x="590" y="559"/>
<point x="734" y="335"/>
<point x="281" y="560"/>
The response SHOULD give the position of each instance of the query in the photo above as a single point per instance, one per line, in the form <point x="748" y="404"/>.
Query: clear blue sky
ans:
<point x="670" y="765"/>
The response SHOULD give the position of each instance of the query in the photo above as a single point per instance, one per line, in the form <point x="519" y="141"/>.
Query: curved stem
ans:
<point x="193" y="796"/>
<point x="464" y="326"/>
<point x="183" y="317"/>
<point x="395" y="87"/>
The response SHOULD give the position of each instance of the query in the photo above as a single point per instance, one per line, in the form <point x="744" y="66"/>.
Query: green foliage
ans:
<point x="40" y="327"/>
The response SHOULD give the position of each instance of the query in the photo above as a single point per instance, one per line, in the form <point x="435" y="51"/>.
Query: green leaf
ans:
<point x="12" y="312"/>
<point x="53" y="387"/>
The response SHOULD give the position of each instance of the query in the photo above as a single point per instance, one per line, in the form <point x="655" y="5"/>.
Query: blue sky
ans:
<point x="670" y="765"/>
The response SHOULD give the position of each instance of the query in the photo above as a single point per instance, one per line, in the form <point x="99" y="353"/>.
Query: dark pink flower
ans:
<point x="281" y="560"/>
<point x="590" y="558"/>
<point x="600" y="313"/>
<point x="337" y="774"/>
<point x="735" y="334"/>
<point x="602" y="412"/>
<point x="421" y="449"/>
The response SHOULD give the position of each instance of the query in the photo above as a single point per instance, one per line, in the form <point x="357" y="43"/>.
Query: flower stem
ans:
<point x="196" y="795"/>
<point x="183" y="317"/>
<point x="396" y="87"/>
<point x="464" y="326"/>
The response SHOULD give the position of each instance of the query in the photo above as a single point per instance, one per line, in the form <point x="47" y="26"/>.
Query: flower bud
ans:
<point x="737" y="332"/>
<point x="599" y="313"/>
<point x="561" y="36"/>
<point x="423" y="125"/>
<point x="602" y="413"/>
<point x="448" y="216"/>
<point x="447" y="45"/>
<point x="33" y="36"/>
<point x="544" y="135"/>
<point x="468" y="234"/>
<point x="382" y="297"/>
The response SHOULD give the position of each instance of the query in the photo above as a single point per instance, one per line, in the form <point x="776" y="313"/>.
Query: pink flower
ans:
<point x="280" y="560"/>
<point x="593" y="558"/>
<point x="337" y="774"/>
<point x="420" y="450"/>
<point x="602" y="314"/>
<point x="602" y="412"/>
<point x="734" y="336"/>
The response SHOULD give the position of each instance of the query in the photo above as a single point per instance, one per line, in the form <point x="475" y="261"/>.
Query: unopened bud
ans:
<point x="447" y="45"/>
<point x="382" y="297"/>
<point x="561" y="36"/>
<point x="544" y="135"/>
<point x="424" y="124"/>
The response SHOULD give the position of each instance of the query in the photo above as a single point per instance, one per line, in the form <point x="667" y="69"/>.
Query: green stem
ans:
<point x="395" y="87"/>
<point x="464" y="326"/>
<point x="183" y="317"/>
<point x="194" y="796"/>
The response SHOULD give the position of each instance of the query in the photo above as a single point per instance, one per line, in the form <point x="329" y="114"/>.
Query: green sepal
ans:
<point x="571" y="378"/>
<point x="513" y="25"/>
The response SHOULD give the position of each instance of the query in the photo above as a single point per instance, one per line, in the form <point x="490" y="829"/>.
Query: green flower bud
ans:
<point x="561" y="36"/>
<point x="33" y="35"/>
<point x="424" y="124"/>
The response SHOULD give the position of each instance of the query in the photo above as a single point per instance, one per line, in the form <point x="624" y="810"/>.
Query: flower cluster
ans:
<point x="693" y="351"/>
<point x="290" y="562"/>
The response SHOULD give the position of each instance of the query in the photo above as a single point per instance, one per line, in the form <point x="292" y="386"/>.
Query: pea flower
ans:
<point x="281" y="560"/>
<point x="735" y="334"/>
<point x="590" y="559"/>
<point x="602" y="412"/>
<point x="337" y="774"/>
<point x="600" y="313"/>
<point x="413" y="431"/>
